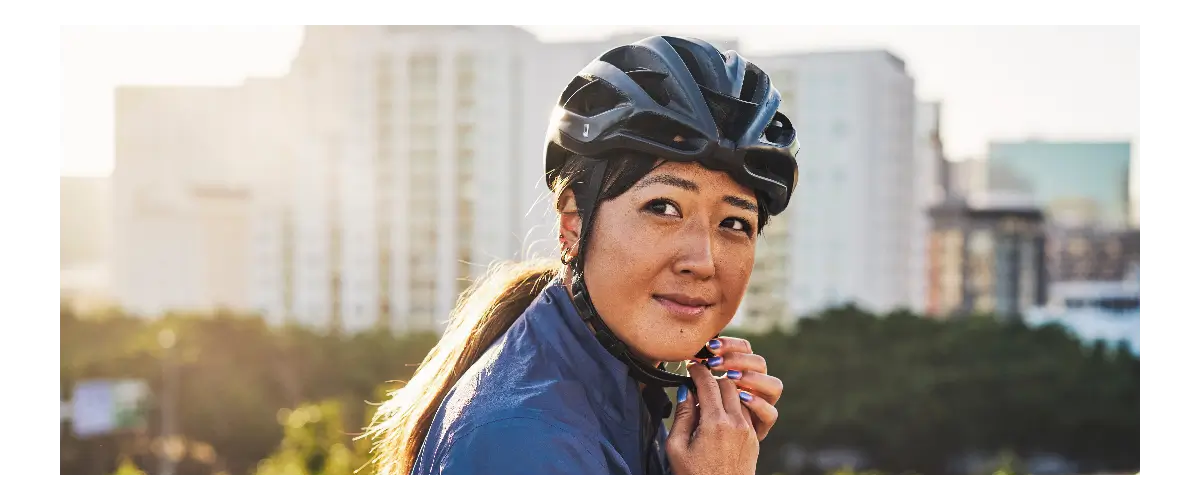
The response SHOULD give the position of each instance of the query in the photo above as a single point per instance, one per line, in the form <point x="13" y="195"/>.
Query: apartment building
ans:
<point x="847" y="235"/>
<point x="429" y="144"/>
<point x="392" y="164"/>
<point x="987" y="259"/>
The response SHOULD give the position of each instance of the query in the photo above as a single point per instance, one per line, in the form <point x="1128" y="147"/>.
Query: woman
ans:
<point x="666" y="158"/>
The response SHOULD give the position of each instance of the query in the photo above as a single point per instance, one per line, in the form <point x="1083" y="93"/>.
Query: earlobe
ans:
<point x="568" y="239"/>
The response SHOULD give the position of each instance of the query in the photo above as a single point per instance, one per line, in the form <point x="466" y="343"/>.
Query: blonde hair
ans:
<point x="483" y="313"/>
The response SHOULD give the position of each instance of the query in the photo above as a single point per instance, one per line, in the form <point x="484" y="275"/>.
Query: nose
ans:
<point x="695" y="252"/>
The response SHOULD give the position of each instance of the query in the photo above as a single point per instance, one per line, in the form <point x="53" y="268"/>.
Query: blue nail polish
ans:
<point x="745" y="396"/>
<point x="715" y="361"/>
<point x="681" y="393"/>
<point x="714" y="344"/>
<point x="733" y="374"/>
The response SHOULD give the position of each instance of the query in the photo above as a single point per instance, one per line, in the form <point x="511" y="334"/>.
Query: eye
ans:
<point x="738" y="224"/>
<point x="663" y="207"/>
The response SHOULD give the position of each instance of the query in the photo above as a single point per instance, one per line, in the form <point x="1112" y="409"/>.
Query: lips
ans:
<point x="686" y="306"/>
<point x="686" y="300"/>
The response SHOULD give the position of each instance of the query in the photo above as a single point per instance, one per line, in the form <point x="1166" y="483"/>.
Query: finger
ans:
<point x="724" y="345"/>
<point x="759" y="384"/>
<point x="763" y="414"/>
<point x="684" y="425"/>
<point x="708" y="394"/>
<point x="732" y="403"/>
<point x="740" y="361"/>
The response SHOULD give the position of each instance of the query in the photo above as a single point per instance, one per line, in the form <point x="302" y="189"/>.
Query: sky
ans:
<point x="995" y="83"/>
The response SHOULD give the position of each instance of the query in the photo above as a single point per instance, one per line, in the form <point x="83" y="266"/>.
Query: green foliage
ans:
<point x="914" y="393"/>
<point x="315" y="442"/>
<point x="235" y="373"/>
<point x="911" y="393"/>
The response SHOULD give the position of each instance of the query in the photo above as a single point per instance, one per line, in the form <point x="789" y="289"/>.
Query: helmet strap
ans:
<point x="587" y="199"/>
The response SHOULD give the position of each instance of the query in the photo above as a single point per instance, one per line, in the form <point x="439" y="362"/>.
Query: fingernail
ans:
<point x="681" y="395"/>
<point x="714" y="344"/>
<point x="715" y="361"/>
<point x="745" y="396"/>
<point x="733" y="374"/>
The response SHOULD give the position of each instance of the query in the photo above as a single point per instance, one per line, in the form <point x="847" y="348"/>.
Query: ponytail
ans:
<point x="484" y="312"/>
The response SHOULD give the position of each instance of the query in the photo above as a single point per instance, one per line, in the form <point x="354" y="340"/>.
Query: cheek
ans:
<point x="735" y="266"/>
<point x="622" y="262"/>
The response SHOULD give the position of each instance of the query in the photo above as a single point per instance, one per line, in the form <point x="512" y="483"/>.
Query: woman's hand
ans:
<point x="712" y="432"/>
<point x="748" y="371"/>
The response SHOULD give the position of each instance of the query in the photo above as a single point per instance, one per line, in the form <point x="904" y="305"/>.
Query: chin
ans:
<point x="667" y="339"/>
<point x="680" y="350"/>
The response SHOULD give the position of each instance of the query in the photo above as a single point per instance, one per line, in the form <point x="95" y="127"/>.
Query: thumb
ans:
<point x="685" y="417"/>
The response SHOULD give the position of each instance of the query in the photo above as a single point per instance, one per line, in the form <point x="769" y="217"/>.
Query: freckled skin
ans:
<point x="659" y="239"/>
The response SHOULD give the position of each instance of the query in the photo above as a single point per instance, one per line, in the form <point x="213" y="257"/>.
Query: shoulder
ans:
<point x="516" y="410"/>
<point x="518" y="444"/>
<point x="520" y="375"/>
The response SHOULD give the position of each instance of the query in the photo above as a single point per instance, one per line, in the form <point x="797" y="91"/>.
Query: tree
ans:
<point x="315" y="442"/>
<point x="910" y="393"/>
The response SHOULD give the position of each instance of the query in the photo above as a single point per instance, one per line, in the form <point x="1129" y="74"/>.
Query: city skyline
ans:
<point x="336" y="227"/>
<point x="307" y="196"/>
<point x="1074" y="83"/>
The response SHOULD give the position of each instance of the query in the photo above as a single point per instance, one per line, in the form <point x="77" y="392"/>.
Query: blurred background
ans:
<point x="263" y="230"/>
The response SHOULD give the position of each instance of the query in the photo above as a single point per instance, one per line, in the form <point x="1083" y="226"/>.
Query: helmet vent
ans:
<point x="664" y="131"/>
<point x="594" y="98"/>
<point x="753" y="88"/>
<point x="651" y="82"/>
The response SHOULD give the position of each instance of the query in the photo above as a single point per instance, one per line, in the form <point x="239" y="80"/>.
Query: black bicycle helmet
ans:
<point x="679" y="99"/>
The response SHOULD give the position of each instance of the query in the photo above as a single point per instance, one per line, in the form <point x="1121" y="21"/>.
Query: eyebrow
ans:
<point x="679" y="182"/>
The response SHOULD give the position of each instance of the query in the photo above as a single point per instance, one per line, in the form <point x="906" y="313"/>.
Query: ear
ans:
<point x="569" y="223"/>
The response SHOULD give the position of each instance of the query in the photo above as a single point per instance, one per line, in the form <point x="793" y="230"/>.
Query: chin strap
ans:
<point x="587" y="194"/>
<point x="641" y="371"/>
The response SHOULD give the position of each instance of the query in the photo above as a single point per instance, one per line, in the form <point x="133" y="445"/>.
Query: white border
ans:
<point x="1171" y="173"/>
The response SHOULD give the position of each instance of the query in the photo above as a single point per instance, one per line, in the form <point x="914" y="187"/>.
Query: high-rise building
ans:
<point x="429" y="144"/>
<point x="986" y="260"/>
<point x="392" y="164"/>
<point x="847" y="235"/>
<point x="1078" y="183"/>
<point x="411" y="183"/>
<point x="387" y="169"/>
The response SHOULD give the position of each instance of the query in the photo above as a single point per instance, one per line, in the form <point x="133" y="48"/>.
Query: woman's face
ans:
<point x="669" y="260"/>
